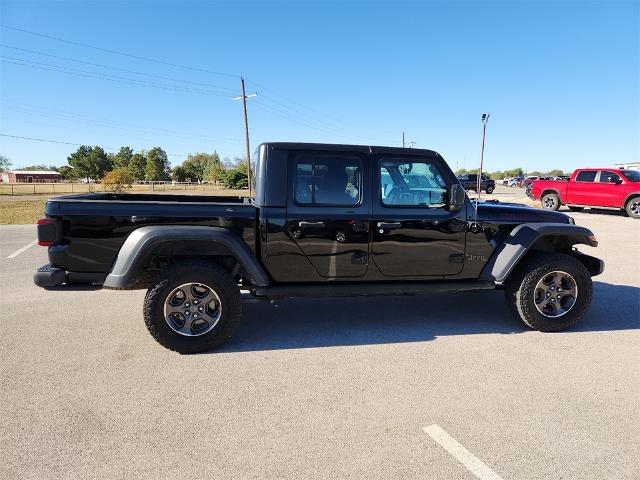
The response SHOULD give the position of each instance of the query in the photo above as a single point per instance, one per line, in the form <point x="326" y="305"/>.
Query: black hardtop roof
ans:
<point x="335" y="147"/>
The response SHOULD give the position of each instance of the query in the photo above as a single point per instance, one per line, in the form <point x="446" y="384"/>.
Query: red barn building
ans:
<point x="31" y="176"/>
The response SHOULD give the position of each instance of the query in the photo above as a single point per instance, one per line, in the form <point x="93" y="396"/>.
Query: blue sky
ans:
<point x="560" y="79"/>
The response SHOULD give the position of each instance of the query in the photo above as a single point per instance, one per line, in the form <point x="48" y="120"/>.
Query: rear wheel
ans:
<point x="550" y="201"/>
<point x="550" y="291"/>
<point x="192" y="307"/>
<point x="633" y="207"/>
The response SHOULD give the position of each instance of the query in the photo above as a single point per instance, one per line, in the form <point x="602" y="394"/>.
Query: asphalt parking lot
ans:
<point x="336" y="388"/>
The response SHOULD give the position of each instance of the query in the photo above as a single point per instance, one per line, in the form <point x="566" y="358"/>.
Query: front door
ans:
<point x="328" y="214"/>
<point x="413" y="231"/>
<point x="583" y="190"/>
<point x="612" y="192"/>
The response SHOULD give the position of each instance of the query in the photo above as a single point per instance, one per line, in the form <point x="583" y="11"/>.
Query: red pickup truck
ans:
<point x="592" y="187"/>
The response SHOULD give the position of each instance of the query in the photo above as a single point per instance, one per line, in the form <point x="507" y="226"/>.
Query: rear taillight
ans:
<point x="49" y="231"/>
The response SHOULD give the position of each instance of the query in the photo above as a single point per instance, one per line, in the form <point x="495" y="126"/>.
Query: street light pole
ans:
<point x="485" y="119"/>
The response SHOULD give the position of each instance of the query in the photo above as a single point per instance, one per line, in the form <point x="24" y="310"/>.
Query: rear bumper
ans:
<point x="48" y="276"/>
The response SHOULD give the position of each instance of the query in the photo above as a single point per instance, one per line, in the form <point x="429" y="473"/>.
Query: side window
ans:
<point x="608" y="177"/>
<point x="327" y="180"/>
<point x="586" y="176"/>
<point x="411" y="183"/>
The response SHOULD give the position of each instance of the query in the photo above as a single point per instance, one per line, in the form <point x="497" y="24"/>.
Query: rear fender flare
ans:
<point x="550" y="190"/>
<point x="629" y="197"/>
<point x="142" y="241"/>
<point x="522" y="238"/>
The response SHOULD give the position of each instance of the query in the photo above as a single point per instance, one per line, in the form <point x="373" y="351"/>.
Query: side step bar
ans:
<point x="365" y="289"/>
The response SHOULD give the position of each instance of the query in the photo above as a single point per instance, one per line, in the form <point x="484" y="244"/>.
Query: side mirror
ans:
<point x="617" y="181"/>
<point x="456" y="196"/>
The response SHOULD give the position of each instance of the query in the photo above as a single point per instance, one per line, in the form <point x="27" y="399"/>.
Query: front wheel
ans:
<point x="550" y="291"/>
<point x="192" y="307"/>
<point x="489" y="190"/>
<point x="550" y="201"/>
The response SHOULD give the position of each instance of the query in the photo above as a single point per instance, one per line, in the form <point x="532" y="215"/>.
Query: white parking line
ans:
<point x="464" y="456"/>
<point x="19" y="251"/>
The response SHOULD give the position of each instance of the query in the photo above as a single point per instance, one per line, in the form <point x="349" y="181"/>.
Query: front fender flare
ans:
<point x="509" y="253"/>
<point x="141" y="241"/>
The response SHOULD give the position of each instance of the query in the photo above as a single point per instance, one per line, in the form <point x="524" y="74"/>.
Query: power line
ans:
<point x="116" y="68"/>
<point x="112" y="78"/>
<point x="41" y="140"/>
<point x="115" y="52"/>
<point x="48" y="140"/>
<point x="301" y="120"/>
<point x="75" y="117"/>
<point x="332" y="126"/>
<point x="142" y="138"/>
<point x="305" y="107"/>
<point x="327" y="126"/>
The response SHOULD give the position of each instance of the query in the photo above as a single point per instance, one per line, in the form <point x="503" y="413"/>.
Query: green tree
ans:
<point x="196" y="164"/>
<point x="555" y="173"/>
<point x="215" y="170"/>
<point x="158" y="167"/>
<point x="66" y="171"/>
<point x="123" y="157"/>
<point x="236" y="176"/>
<point x="89" y="162"/>
<point x="5" y="164"/>
<point x="42" y="166"/>
<point x="177" y="173"/>
<point x="514" y="172"/>
<point x="118" y="180"/>
<point x="138" y="166"/>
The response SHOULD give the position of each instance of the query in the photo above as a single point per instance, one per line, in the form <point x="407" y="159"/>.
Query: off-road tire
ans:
<point x="550" y="201"/>
<point x="209" y="274"/>
<point x="631" y="205"/>
<point x="520" y="290"/>
<point x="489" y="190"/>
<point x="576" y="209"/>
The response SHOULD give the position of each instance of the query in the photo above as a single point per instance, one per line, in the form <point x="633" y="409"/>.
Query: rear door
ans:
<point x="584" y="189"/>
<point x="412" y="230"/>
<point x="327" y="213"/>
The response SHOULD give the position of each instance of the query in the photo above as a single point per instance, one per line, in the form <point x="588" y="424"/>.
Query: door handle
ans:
<point x="389" y="225"/>
<point x="310" y="224"/>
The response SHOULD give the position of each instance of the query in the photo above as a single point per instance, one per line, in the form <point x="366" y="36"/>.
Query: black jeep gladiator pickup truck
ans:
<point x="325" y="220"/>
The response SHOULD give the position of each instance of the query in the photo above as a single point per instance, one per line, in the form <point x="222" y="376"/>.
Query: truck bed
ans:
<point x="94" y="226"/>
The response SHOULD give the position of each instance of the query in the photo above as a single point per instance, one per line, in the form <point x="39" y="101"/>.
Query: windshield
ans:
<point x="631" y="175"/>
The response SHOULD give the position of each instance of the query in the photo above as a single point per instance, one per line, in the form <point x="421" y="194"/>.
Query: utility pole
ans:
<point x="402" y="139"/>
<point x="246" y="130"/>
<point x="485" y="120"/>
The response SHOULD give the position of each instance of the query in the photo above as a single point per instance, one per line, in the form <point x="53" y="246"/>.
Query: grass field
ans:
<point x="25" y="207"/>
<point x="21" y="211"/>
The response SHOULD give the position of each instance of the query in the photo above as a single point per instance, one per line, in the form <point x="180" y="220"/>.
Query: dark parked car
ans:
<point x="325" y="220"/>
<point x="470" y="182"/>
